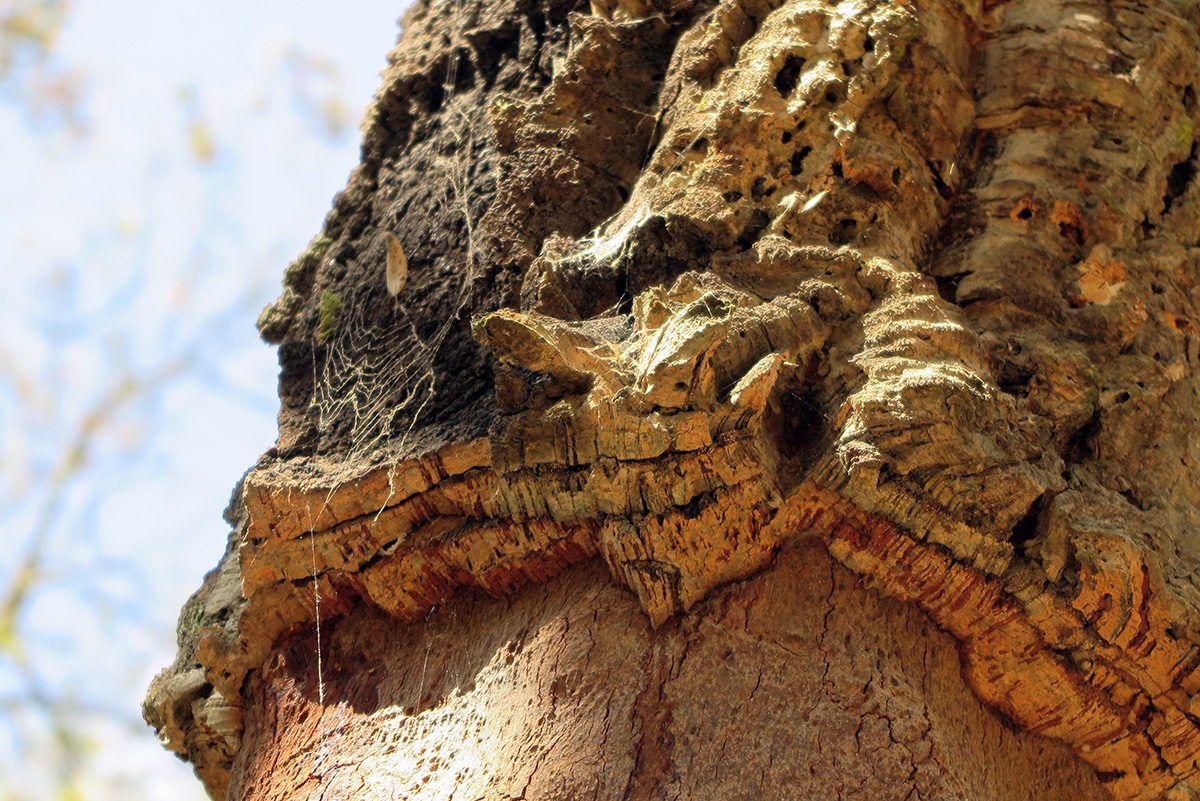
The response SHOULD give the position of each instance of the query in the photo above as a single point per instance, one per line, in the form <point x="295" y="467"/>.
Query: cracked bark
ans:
<point x="759" y="361"/>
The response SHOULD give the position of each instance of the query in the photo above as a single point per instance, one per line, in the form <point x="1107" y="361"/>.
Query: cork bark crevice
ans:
<point x="692" y="282"/>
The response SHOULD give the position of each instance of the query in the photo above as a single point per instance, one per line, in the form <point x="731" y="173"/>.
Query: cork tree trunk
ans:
<point x="767" y="399"/>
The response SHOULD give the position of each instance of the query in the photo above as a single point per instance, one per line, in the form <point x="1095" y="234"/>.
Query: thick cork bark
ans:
<point x="692" y="288"/>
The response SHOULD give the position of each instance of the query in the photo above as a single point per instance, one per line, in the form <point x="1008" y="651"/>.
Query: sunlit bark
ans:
<point x="751" y="304"/>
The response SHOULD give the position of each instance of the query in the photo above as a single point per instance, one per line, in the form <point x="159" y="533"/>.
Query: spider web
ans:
<point x="378" y="371"/>
<point x="378" y="377"/>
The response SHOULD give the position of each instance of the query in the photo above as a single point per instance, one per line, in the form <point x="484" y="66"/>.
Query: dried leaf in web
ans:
<point x="397" y="265"/>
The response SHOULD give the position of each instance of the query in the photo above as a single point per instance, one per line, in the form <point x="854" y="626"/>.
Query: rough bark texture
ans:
<point x="694" y="285"/>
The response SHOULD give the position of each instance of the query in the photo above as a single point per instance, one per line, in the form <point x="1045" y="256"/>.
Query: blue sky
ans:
<point x="204" y="166"/>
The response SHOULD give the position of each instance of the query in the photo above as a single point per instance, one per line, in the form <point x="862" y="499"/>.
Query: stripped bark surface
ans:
<point x="710" y="280"/>
<point x="753" y="696"/>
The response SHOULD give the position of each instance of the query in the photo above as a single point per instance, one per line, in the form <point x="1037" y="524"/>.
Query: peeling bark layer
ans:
<point x="692" y="281"/>
<point x="797" y="683"/>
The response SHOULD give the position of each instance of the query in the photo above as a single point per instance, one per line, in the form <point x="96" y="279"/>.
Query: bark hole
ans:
<point x="760" y="188"/>
<point x="798" y="158"/>
<point x="844" y="231"/>
<point x="1080" y="446"/>
<point x="789" y="75"/>
<point x="1024" y="210"/>
<point x="460" y="72"/>
<point x="935" y="170"/>
<point x="494" y="48"/>
<point x="759" y="220"/>
<point x="1134" y="499"/>
<point x="1147" y="227"/>
<point x="947" y="286"/>
<point x="1182" y="175"/>
<point x="1013" y="379"/>
<point x="803" y="423"/>
<point x="1072" y="232"/>
<point x="431" y="97"/>
<point x="796" y="425"/>
<point x="1027" y="527"/>
<point x="1123" y="64"/>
